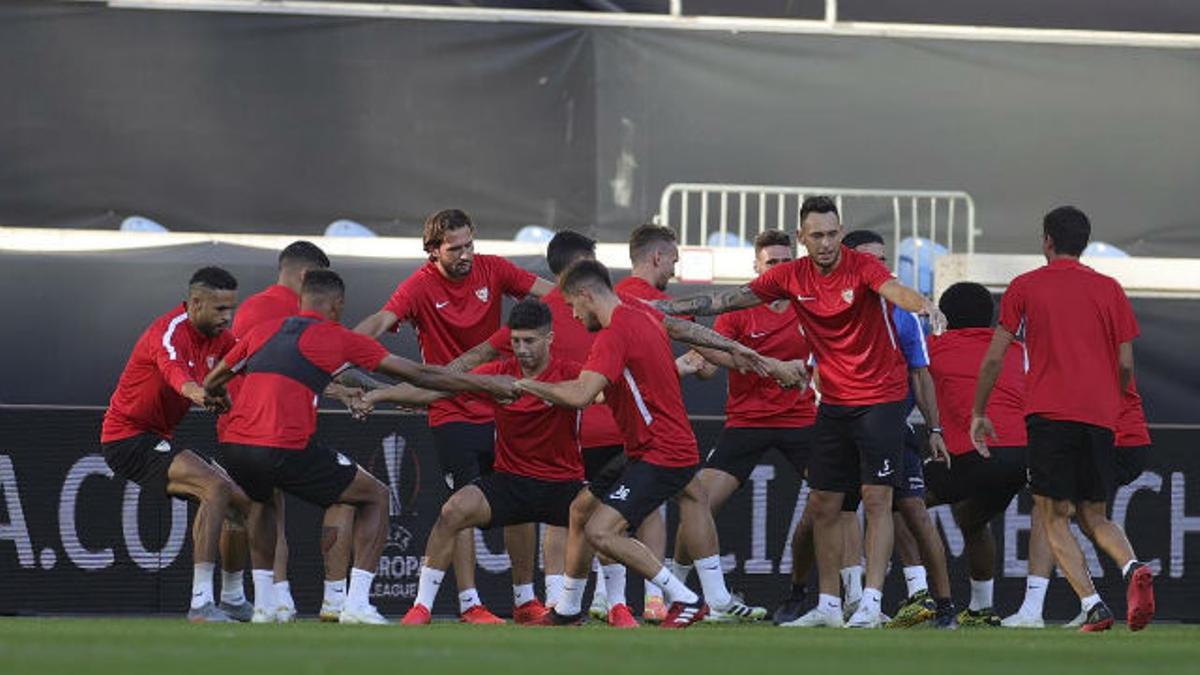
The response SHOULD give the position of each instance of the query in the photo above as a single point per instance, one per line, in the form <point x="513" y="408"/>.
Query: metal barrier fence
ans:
<point x="699" y="210"/>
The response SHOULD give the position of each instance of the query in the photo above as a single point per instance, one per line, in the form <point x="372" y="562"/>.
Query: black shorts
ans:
<point x="858" y="445"/>
<point x="1070" y="461"/>
<point x="1130" y="463"/>
<point x="143" y="459"/>
<point x="643" y="487"/>
<point x="315" y="474"/>
<point x="465" y="451"/>
<point x="520" y="499"/>
<point x="912" y="480"/>
<point x="740" y="449"/>
<point x="602" y="466"/>
<point x="991" y="482"/>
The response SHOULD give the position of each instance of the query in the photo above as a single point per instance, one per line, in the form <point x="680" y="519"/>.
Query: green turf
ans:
<point x="167" y="647"/>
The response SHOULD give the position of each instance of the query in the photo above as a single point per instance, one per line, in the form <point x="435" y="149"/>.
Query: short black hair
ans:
<point x="584" y="273"/>
<point x="772" y="237"/>
<point x="644" y="236"/>
<point x="818" y="204"/>
<point x="214" y="279"/>
<point x="323" y="282"/>
<point x="967" y="304"/>
<point x="303" y="254"/>
<point x="530" y="314"/>
<point x="566" y="247"/>
<point x="856" y="238"/>
<point x="438" y="224"/>
<point x="1069" y="229"/>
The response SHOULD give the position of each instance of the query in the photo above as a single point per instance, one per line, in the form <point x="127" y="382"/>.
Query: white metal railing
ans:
<point x="697" y="210"/>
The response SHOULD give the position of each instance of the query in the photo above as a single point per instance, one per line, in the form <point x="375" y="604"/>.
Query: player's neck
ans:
<point x="605" y="306"/>
<point x="291" y="281"/>
<point x="532" y="373"/>
<point x="645" y="274"/>
<point x="1052" y="256"/>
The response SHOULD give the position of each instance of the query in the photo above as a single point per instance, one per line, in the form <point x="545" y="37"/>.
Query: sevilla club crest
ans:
<point x="482" y="294"/>
<point x="848" y="296"/>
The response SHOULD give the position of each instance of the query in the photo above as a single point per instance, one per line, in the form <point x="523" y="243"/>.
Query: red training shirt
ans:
<point x="276" y="411"/>
<point x="169" y="353"/>
<point x="848" y="324"/>
<point x="634" y="354"/>
<point x="572" y="340"/>
<point x="535" y="438"/>
<point x="954" y="359"/>
<point x="755" y="401"/>
<point x="274" y="302"/>
<point x="637" y="287"/>
<point x="1132" y="431"/>
<point x="452" y="316"/>
<point x="1074" y="319"/>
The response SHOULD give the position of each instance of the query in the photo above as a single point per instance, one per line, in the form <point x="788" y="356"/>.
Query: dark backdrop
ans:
<point x="282" y="124"/>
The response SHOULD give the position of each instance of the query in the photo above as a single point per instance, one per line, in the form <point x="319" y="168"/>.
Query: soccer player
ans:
<point x="160" y="382"/>
<point x="1132" y="442"/>
<point x="282" y="299"/>
<point x="632" y="365"/>
<point x="976" y="487"/>
<point x="287" y="363"/>
<point x="538" y="469"/>
<point x="917" y="539"/>
<point x="841" y="297"/>
<point x="454" y="303"/>
<point x="1079" y="330"/>
<point x="652" y="256"/>
<point x="759" y="414"/>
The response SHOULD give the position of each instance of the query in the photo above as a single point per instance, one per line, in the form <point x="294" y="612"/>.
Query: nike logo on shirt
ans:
<point x="442" y="304"/>
<point x="755" y="336"/>
<point x="806" y="298"/>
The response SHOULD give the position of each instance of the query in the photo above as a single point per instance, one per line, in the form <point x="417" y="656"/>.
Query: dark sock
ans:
<point x="799" y="591"/>
<point x="945" y="606"/>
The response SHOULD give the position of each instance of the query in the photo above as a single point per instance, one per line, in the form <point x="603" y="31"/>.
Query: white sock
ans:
<point x="614" y="583"/>
<point x="468" y="599"/>
<point x="1086" y="604"/>
<point x="427" y="586"/>
<point x="1126" y="568"/>
<point x="202" y="584"/>
<point x="283" y="595"/>
<point x="233" y="589"/>
<point x="597" y="570"/>
<point x="335" y="592"/>
<point x="1035" y="596"/>
<point x="359" y="594"/>
<point x="852" y="583"/>
<point x="829" y="604"/>
<point x="914" y="578"/>
<point x="523" y="594"/>
<point x="554" y="587"/>
<point x="981" y="595"/>
<point x="712" y="582"/>
<point x="572" y="597"/>
<point x="673" y="589"/>
<point x="681" y="572"/>
<point x="264" y="589"/>
<point x="652" y="590"/>
<point x="871" y="600"/>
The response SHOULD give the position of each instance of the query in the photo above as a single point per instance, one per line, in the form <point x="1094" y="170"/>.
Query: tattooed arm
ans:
<point x="705" y="339"/>
<point x="474" y="357"/>
<point x="716" y="302"/>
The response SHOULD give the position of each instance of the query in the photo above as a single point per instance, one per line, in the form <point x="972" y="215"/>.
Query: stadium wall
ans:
<point x="72" y="540"/>
<point x="283" y="123"/>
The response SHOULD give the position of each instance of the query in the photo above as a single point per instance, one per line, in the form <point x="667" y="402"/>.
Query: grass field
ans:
<point x="169" y="646"/>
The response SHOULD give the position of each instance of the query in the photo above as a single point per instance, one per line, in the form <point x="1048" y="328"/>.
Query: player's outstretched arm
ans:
<point x="715" y="347"/>
<point x="404" y="394"/>
<point x="377" y="324"/>
<point x="716" y="302"/>
<point x="693" y="363"/>
<point x="578" y="393"/>
<point x="437" y="377"/>
<point x="474" y="357"/>
<point x="989" y="372"/>
<point x="356" y="379"/>
<point x="912" y="301"/>
<point x="541" y="288"/>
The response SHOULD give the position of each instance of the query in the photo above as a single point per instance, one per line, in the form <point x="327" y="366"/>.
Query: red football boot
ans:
<point x="529" y="613"/>
<point x="417" y="615"/>
<point x="620" y="616"/>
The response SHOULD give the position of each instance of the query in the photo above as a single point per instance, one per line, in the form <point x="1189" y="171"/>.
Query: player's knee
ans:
<point x="597" y="534"/>
<point x="877" y="501"/>
<point x="218" y="491"/>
